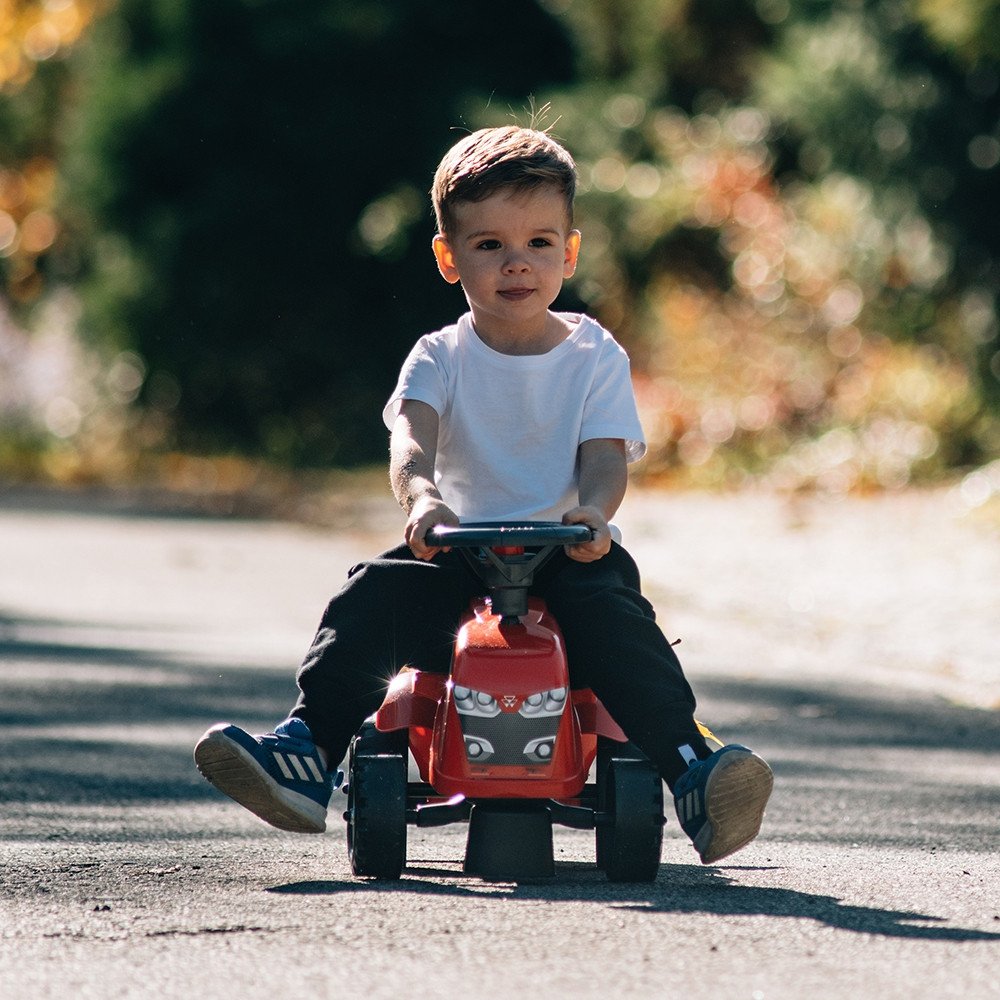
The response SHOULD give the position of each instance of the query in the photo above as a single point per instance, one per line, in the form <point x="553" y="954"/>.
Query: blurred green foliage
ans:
<point x="788" y="210"/>
<point x="787" y="214"/>
<point x="246" y="184"/>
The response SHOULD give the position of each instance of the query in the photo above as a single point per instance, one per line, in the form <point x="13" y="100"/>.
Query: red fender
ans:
<point x="412" y="700"/>
<point x="594" y="717"/>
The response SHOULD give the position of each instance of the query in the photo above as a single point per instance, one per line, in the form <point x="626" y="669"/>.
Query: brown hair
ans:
<point x="494" y="158"/>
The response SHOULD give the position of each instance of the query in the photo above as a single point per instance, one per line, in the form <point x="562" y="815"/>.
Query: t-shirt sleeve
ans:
<point x="422" y="377"/>
<point x="611" y="410"/>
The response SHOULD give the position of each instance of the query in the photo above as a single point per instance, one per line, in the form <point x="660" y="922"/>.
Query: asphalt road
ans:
<point x="854" y="644"/>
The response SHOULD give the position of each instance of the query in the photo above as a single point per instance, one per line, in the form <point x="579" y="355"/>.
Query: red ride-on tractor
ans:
<point x="502" y="742"/>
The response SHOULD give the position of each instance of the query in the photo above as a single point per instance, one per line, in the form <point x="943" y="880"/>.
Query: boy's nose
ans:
<point x="515" y="265"/>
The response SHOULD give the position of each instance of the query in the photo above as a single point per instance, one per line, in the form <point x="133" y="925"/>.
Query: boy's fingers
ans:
<point x="416" y="530"/>
<point x="593" y="550"/>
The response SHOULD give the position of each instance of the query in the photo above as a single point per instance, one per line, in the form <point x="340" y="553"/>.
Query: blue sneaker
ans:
<point x="279" y="776"/>
<point x="720" y="801"/>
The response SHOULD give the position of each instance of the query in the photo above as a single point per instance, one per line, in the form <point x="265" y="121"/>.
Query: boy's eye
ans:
<point x="493" y="244"/>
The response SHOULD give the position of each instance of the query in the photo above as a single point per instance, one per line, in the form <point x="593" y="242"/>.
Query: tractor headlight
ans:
<point x="540" y="750"/>
<point x="478" y="749"/>
<point x="470" y="702"/>
<point x="544" y="703"/>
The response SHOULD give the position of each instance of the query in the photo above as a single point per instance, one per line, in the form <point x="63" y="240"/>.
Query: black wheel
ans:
<point x="630" y="827"/>
<point x="372" y="741"/>
<point x="376" y="812"/>
<point x="607" y="750"/>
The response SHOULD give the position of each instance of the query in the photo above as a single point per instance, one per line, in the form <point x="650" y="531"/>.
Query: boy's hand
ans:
<point x="427" y="512"/>
<point x="599" y="545"/>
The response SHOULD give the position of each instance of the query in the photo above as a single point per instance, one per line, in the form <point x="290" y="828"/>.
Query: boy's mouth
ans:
<point x="515" y="294"/>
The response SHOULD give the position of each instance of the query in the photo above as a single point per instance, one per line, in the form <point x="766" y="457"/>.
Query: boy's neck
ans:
<point x="525" y="342"/>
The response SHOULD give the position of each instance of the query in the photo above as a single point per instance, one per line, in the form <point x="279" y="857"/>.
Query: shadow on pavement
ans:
<point x="99" y="722"/>
<point x="678" y="889"/>
<point x="832" y="716"/>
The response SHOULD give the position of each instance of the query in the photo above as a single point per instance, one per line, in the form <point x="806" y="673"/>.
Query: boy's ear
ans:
<point x="572" y="253"/>
<point x="445" y="259"/>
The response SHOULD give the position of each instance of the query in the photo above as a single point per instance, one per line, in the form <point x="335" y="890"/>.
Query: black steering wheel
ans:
<point x="496" y="551"/>
<point x="494" y="534"/>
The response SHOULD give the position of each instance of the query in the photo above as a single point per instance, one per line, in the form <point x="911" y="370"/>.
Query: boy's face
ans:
<point x="512" y="252"/>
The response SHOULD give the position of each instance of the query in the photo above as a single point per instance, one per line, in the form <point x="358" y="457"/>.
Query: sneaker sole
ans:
<point x="235" y="773"/>
<point x="735" y="798"/>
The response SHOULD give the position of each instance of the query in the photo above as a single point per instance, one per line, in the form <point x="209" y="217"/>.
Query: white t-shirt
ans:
<point x="510" y="425"/>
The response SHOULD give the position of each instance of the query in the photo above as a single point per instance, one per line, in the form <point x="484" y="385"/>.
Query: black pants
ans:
<point x="397" y="610"/>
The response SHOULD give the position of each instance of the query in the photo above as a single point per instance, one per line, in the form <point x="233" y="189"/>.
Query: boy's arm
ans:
<point x="412" y="451"/>
<point x="603" y="480"/>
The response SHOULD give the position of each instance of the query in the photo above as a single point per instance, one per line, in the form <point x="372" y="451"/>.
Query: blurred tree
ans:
<point x="786" y="212"/>
<point x="246" y="183"/>
<point x="35" y="37"/>
<point x="782" y="203"/>
<point x="907" y="99"/>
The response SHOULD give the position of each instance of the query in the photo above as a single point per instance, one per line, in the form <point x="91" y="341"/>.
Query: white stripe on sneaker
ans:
<point x="692" y="805"/>
<point x="282" y="766"/>
<point x="296" y="762"/>
<point x="316" y="773"/>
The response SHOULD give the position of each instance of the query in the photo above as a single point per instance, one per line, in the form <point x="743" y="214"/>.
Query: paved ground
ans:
<point x="853" y="643"/>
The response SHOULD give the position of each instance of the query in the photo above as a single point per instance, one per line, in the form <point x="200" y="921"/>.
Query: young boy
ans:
<point x="515" y="412"/>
